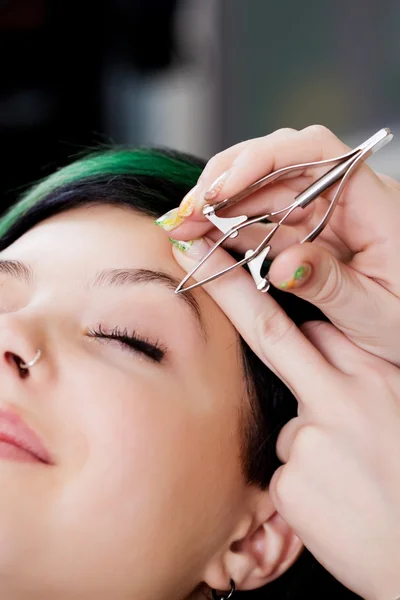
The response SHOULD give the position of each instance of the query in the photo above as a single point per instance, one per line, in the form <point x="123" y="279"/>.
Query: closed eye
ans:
<point x="132" y="341"/>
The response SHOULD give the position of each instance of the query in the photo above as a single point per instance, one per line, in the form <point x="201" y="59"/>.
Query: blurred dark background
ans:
<point x="197" y="75"/>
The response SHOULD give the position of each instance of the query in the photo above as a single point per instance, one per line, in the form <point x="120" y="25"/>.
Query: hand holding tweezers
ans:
<point x="231" y="226"/>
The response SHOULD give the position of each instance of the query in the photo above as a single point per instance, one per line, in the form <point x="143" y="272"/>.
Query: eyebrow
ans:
<point x="16" y="269"/>
<point x="116" y="277"/>
<point x="130" y="277"/>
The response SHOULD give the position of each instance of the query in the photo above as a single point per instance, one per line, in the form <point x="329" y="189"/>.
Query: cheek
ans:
<point x="155" y="466"/>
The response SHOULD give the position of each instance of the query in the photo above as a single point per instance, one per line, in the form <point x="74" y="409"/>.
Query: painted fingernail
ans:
<point x="298" y="278"/>
<point x="187" y="205"/>
<point x="216" y="187"/>
<point x="193" y="248"/>
<point x="170" y="220"/>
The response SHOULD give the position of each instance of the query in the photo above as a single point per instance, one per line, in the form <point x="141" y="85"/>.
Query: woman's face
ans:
<point x="144" y="483"/>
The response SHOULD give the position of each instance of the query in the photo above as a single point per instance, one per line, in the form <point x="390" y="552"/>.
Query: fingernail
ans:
<point x="298" y="278"/>
<point x="170" y="220"/>
<point x="187" y="205"/>
<point x="193" y="249"/>
<point x="216" y="187"/>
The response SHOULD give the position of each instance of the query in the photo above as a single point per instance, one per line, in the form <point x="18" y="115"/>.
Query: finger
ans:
<point x="258" y="157"/>
<point x="389" y="180"/>
<point x="215" y="182"/>
<point x="301" y="223"/>
<point x="260" y="321"/>
<point x="350" y="300"/>
<point x="261" y="202"/>
<point x="274" y="490"/>
<point x="286" y="147"/>
<point x="335" y="347"/>
<point x="284" y="237"/>
<point x="285" y="439"/>
<point x="251" y="237"/>
<point x="220" y="163"/>
<point x="231" y="164"/>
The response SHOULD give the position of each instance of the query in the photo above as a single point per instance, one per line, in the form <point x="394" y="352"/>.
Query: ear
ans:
<point x="264" y="554"/>
<point x="259" y="555"/>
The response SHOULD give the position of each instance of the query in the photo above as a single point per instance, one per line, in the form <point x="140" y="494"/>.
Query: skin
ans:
<point x="145" y="497"/>
<point x="355" y="258"/>
<point x="339" y="485"/>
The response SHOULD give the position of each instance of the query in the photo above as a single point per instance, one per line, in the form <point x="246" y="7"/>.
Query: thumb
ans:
<point x="313" y="273"/>
<point x="344" y="295"/>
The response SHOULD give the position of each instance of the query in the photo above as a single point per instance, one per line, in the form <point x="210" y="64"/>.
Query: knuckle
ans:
<point x="282" y="450"/>
<point x="285" y="439"/>
<point x="251" y="150"/>
<point x="307" y="442"/>
<point x="213" y="163"/>
<point x="274" y="327"/>
<point x="305" y="451"/>
<point x="285" y="132"/>
<point x="314" y="329"/>
<point x="320" y="132"/>
<point x="325" y="139"/>
<point x="284" y="486"/>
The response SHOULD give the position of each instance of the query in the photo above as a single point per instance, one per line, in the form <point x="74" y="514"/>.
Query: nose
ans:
<point x="19" y="351"/>
<point x="23" y="367"/>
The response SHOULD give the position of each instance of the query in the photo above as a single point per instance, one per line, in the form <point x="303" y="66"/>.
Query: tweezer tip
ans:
<point x="388" y="133"/>
<point x="180" y="289"/>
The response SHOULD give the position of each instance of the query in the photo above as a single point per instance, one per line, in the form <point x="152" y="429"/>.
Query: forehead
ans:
<point x="97" y="236"/>
<point x="72" y="248"/>
<point x="69" y="249"/>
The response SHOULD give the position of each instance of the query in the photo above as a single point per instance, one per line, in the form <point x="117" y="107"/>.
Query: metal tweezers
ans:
<point x="231" y="226"/>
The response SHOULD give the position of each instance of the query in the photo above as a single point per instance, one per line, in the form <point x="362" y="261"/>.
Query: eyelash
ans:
<point x="155" y="351"/>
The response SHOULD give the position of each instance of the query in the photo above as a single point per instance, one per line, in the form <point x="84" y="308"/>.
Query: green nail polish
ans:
<point x="300" y="274"/>
<point x="181" y="245"/>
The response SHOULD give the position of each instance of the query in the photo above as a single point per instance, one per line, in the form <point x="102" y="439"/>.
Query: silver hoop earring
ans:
<point x="32" y="362"/>
<point x="230" y="593"/>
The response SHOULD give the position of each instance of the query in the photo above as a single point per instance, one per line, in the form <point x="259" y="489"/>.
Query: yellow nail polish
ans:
<point x="188" y="203"/>
<point x="170" y="220"/>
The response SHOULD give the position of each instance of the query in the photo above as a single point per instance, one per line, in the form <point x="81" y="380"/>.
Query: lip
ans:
<point x="14" y="432"/>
